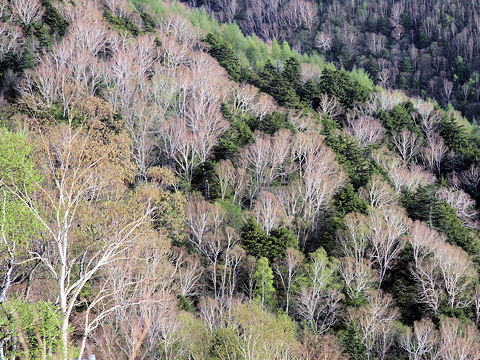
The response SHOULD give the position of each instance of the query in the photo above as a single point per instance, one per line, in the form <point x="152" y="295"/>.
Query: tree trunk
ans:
<point x="6" y="280"/>
<point x="82" y="346"/>
<point x="64" y="336"/>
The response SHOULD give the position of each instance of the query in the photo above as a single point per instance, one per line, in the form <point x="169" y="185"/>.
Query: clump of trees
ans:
<point x="162" y="197"/>
<point x="426" y="50"/>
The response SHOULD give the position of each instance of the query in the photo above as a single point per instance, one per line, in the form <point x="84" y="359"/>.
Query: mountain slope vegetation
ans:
<point x="427" y="48"/>
<point x="172" y="189"/>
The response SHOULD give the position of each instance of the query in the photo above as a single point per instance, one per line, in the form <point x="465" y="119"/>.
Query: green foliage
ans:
<point x="148" y="22"/>
<point x="291" y="72"/>
<point x="42" y="32"/>
<point x="258" y="243"/>
<point x="352" y="157"/>
<point x="398" y="119"/>
<point x="54" y="19"/>
<point x="254" y="240"/>
<point x="264" y="293"/>
<point x="122" y="24"/>
<point x="237" y="135"/>
<point x="194" y="339"/>
<point x="273" y="335"/>
<point x="223" y="52"/>
<point x="38" y="324"/>
<point x="282" y="239"/>
<point x="16" y="165"/>
<point x="276" y="70"/>
<point x="363" y="79"/>
<point x="344" y="202"/>
<point x="401" y="284"/>
<point x="346" y="88"/>
<point x="456" y="139"/>
<point x="352" y="344"/>
<point x="271" y="123"/>
<point x="320" y="271"/>
<point x="406" y="65"/>
<point x="347" y="201"/>
<point x="280" y="85"/>
<point x="184" y="303"/>
<point x="233" y="214"/>
<point x="226" y="148"/>
<point x="16" y="171"/>
<point x="204" y="179"/>
<point x="310" y="94"/>
<point x="425" y="206"/>
<point x="222" y="348"/>
<point x="16" y="63"/>
<point x="359" y="169"/>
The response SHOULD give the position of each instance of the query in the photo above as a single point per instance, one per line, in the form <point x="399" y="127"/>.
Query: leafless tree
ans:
<point x="243" y="98"/>
<point x="242" y="180"/>
<point x="305" y="144"/>
<point x="378" y="193"/>
<point x="387" y="99"/>
<point x="408" y="145"/>
<point x="375" y="323"/>
<point x="234" y="257"/>
<point x="265" y="160"/>
<point x="429" y="119"/>
<point x="367" y="131"/>
<point x="298" y="13"/>
<point x="268" y="211"/>
<point x="423" y="240"/>
<point x="329" y="106"/>
<point x="388" y="228"/>
<point x="457" y="271"/>
<point x="74" y="173"/>
<point x="434" y="153"/>
<point x="11" y="39"/>
<point x="458" y="341"/>
<point x="27" y="11"/>
<point x="476" y="301"/>
<point x="447" y="90"/>
<point x="132" y="294"/>
<point x="315" y="304"/>
<point x="229" y="8"/>
<point x="142" y="123"/>
<point x="201" y="219"/>
<point x="179" y="145"/>
<point x="422" y="342"/>
<point x="263" y="105"/>
<point x="287" y="270"/>
<point x="395" y="20"/>
<point x="429" y="284"/>
<point x="323" y="41"/>
<point x="188" y="272"/>
<point x="462" y="203"/>
<point x="354" y="240"/>
<point x="226" y="176"/>
<point x="210" y="313"/>
<point x="384" y="77"/>
<point x="470" y="178"/>
<point x="357" y="275"/>
<point x="412" y="178"/>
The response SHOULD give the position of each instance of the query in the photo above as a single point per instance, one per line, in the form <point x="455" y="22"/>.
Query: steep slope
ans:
<point x="428" y="48"/>
<point x="173" y="190"/>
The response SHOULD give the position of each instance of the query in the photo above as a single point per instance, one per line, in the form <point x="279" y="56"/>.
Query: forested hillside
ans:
<point x="172" y="189"/>
<point x="428" y="48"/>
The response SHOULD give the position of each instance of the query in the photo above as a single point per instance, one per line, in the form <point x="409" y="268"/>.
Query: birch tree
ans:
<point x="80" y="177"/>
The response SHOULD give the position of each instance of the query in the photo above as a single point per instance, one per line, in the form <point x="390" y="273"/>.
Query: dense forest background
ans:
<point x="427" y="48"/>
<point x="173" y="189"/>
